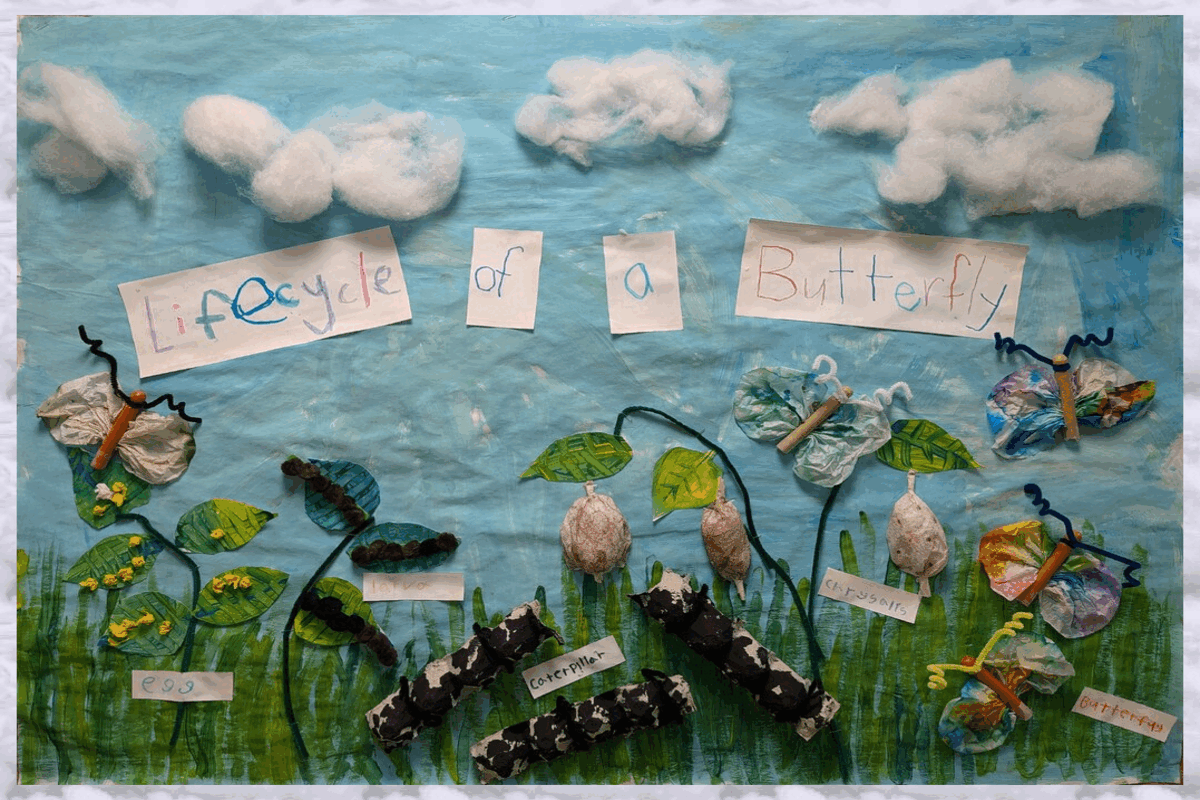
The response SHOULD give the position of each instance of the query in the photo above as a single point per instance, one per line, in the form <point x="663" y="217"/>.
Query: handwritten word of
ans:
<point x="877" y="597"/>
<point x="570" y="667"/>
<point x="182" y="687"/>
<point x="379" y="586"/>
<point x="504" y="297"/>
<point x="1126" y="714"/>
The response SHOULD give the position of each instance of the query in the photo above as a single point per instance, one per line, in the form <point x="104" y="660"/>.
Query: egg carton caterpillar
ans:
<point x="577" y="727"/>
<point x="424" y="702"/>
<point x="310" y="473"/>
<point x="780" y="690"/>
<point x="329" y="610"/>
<point x="381" y="550"/>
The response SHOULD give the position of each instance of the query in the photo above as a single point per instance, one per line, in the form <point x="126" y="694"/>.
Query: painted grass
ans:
<point x="78" y="725"/>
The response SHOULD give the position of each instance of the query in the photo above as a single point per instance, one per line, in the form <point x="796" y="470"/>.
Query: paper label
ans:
<point x="259" y="303"/>
<point x="1123" y="713"/>
<point x="181" y="687"/>
<point x="880" y="279"/>
<point x="886" y="600"/>
<point x="502" y="291"/>
<point x="643" y="283"/>
<point x="570" y="667"/>
<point x="412" y="586"/>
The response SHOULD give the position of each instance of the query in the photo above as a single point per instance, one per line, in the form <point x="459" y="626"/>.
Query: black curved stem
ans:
<point x="94" y="348"/>
<point x="288" y="709"/>
<point x="189" y="637"/>
<point x="825" y="509"/>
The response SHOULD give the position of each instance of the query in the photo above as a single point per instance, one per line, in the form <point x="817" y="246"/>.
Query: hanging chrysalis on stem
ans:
<point x="915" y="538"/>
<point x="595" y="535"/>
<point x="725" y="540"/>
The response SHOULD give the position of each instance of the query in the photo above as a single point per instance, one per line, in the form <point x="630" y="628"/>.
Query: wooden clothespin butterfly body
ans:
<point x="821" y="413"/>
<point x="120" y="425"/>
<point x="975" y="666"/>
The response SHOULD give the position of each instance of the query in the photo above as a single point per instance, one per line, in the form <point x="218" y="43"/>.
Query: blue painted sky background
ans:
<point x="447" y="416"/>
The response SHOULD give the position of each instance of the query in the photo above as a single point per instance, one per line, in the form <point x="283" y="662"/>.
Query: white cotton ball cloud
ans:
<point x="1013" y="143"/>
<point x="634" y="99"/>
<point x="91" y="134"/>
<point x="378" y="161"/>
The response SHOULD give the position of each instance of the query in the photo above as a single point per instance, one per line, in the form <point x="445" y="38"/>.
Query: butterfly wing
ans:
<point x="80" y="412"/>
<point x="1081" y="598"/>
<point x="1107" y="394"/>
<point x="827" y="456"/>
<point x="157" y="448"/>
<point x="770" y="402"/>
<point x="976" y="721"/>
<point x="1012" y="554"/>
<point x="1024" y="412"/>
<point x="1042" y="663"/>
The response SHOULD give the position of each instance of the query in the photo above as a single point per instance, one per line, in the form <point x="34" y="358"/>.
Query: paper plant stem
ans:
<point x="1062" y="551"/>
<point x="190" y="637"/>
<point x="1010" y="699"/>
<point x="120" y="424"/>
<point x="1066" y="391"/>
<point x="818" y="416"/>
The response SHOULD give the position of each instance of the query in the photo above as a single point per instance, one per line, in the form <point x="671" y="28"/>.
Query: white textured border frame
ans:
<point x="11" y="358"/>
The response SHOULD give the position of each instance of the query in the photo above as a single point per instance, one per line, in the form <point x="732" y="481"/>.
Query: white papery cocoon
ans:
<point x="725" y="540"/>
<point x="297" y="181"/>
<point x="92" y="133"/>
<point x="235" y="134"/>
<point x="916" y="539"/>
<point x="595" y="536"/>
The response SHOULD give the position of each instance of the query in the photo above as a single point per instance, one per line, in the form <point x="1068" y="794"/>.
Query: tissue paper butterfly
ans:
<point x="1028" y="408"/>
<point x="1077" y="593"/>
<point x="987" y="708"/>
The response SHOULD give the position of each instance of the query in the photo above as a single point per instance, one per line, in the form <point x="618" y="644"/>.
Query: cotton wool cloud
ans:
<point x="630" y="100"/>
<point x="390" y="164"/>
<point x="91" y="134"/>
<point x="1014" y="143"/>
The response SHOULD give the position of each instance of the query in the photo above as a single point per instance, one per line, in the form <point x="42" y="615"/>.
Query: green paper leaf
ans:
<point x="112" y="554"/>
<point x="683" y="479"/>
<point x="239" y="522"/>
<point x="924" y="446"/>
<point x="84" y="480"/>
<point x="399" y="533"/>
<point x="146" y="640"/>
<point x="232" y="606"/>
<point x="311" y="629"/>
<point x="581" y="457"/>
<point x="358" y="484"/>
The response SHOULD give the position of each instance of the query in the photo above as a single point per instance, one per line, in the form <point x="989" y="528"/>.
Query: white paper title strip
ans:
<point x="379" y="586"/>
<point x="879" y="279"/>
<point x="570" y="667"/>
<point x="502" y="290"/>
<point x="877" y="597"/>
<point x="278" y="299"/>
<point x="642" y="275"/>
<point x="1124" y="713"/>
<point x="182" y="687"/>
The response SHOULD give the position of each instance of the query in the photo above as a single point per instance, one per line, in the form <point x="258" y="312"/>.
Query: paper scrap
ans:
<point x="886" y="600"/>
<point x="251" y="305"/>
<point x="570" y="667"/>
<point x="643" y="282"/>
<point x="502" y="291"/>
<point x="379" y="586"/>
<point x="1124" y="713"/>
<point x="880" y="279"/>
<point x="181" y="687"/>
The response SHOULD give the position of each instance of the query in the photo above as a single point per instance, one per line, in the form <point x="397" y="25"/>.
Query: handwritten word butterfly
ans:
<point x="989" y="705"/>
<point x="1028" y="409"/>
<point x="829" y="433"/>
<point x="1077" y="593"/>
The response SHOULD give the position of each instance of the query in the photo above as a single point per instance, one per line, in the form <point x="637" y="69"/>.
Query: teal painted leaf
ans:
<point x="926" y="447"/>
<point x="234" y="523"/>
<point x="581" y="457"/>
<point x="311" y="629"/>
<point x="683" y="479"/>
<point x="111" y="557"/>
<point x="397" y="533"/>
<point x="84" y="480"/>
<point x="233" y="602"/>
<point x="358" y="484"/>
<point x="141" y="618"/>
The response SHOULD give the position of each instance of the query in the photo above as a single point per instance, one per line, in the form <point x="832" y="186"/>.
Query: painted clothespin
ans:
<point x="1066" y="390"/>
<point x="120" y="425"/>
<point x="814" y="420"/>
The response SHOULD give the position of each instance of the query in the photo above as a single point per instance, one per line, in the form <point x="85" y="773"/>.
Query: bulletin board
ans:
<point x="440" y="419"/>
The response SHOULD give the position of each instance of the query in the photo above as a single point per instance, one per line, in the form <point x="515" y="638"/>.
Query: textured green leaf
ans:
<point x="84" y="480"/>
<point x="311" y="629"/>
<point x="683" y="479"/>
<point x="581" y="457"/>
<point x="147" y="639"/>
<point x="924" y="446"/>
<point x="112" y="554"/>
<point x="238" y="523"/>
<point x="399" y="533"/>
<point x="358" y="484"/>
<point x="233" y="605"/>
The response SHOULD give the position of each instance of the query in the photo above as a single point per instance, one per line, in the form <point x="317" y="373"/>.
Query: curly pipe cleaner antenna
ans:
<point x="132" y="401"/>
<point x="975" y="666"/>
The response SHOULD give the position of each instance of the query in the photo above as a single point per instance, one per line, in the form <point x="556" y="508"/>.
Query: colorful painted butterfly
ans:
<point x="1077" y="593"/>
<point x="93" y="410"/>
<point x="987" y="708"/>
<point x="1028" y="408"/>
<point x="779" y="404"/>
